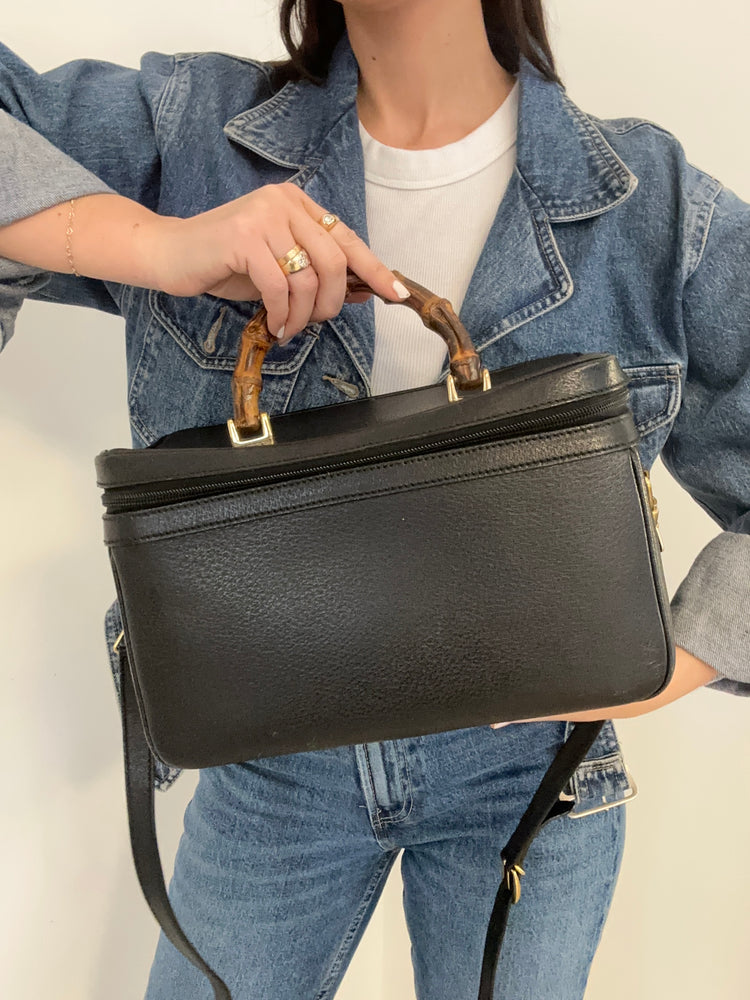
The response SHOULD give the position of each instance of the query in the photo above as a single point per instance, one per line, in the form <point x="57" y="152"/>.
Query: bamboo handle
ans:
<point x="436" y="313"/>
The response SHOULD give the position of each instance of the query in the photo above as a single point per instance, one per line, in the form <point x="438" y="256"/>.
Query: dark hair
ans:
<point x="513" y="27"/>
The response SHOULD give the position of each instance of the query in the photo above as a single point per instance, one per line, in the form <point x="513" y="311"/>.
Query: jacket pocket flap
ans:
<point x="654" y="394"/>
<point x="209" y="330"/>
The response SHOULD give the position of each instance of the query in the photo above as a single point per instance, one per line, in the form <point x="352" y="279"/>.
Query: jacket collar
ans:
<point x="565" y="170"/>
<point x="560" y="153"/>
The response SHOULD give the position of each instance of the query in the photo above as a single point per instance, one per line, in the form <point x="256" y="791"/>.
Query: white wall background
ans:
<point x="73" y="925"/>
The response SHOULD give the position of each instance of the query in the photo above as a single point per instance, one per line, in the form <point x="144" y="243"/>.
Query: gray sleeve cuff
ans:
<point x="35" y="175"/>
<point x="17" y="281"/>
<point x="711" y="611"/>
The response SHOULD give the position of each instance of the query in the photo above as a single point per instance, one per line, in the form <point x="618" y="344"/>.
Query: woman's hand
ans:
<point x="231" y="251"/>
<point x="689" y="673"/>
<point x="228" y="251"/>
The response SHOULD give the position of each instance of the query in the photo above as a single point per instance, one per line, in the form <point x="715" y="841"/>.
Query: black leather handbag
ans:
<point x="445" y="557"/>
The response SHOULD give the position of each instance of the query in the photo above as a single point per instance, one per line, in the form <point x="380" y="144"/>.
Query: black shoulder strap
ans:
<point x="139" y="786"/>
<point x="139" y="790"/>
<point x="544" y="806"/>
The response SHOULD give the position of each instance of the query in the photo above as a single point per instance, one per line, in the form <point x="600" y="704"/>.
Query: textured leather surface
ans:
<point x="488" y="583"/>
<point x="357" y="483"/>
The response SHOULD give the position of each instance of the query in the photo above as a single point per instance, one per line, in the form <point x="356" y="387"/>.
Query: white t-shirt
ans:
<point x="429" y="212"/>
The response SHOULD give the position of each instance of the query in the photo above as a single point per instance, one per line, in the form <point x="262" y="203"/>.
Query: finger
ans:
<point x="302" y="285"/>
<point x="360" y="258"/>
<point x="363" y="262"/>
<point x="329" y="263"/>
<point x="270" y="281"/>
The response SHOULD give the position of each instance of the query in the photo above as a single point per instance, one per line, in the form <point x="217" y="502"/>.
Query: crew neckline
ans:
<point x="392" y="166"/>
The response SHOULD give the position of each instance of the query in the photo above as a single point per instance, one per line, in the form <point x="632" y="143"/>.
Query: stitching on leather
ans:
<point x="334" y="501"/>
<point x="396" y="440"/>
<point x="337" y="501"/>
<point x="431" y="457"/>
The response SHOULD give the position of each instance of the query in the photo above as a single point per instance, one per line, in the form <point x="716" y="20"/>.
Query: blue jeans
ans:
<point x="283" y="859"/>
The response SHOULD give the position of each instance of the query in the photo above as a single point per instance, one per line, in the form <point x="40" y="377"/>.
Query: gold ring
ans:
<point x="328" y="221"/>
<point x="295" y="260"/>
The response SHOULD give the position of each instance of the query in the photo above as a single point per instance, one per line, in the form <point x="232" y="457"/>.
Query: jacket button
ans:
<point x="350" y="390"/>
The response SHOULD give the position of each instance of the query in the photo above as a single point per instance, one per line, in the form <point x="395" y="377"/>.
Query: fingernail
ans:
<point x="280" y="332"/>
<point x="401" y="290"/>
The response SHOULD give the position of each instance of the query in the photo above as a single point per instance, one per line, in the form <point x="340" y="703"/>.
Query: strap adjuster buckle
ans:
<point x="512" y="881"/>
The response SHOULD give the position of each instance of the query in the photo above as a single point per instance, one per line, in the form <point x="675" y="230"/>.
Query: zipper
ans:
<point x="118" y="500"/>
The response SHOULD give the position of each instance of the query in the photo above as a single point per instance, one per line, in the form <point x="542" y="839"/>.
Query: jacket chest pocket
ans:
<point x="183" y="376"/>
<point x="654" y="399"/>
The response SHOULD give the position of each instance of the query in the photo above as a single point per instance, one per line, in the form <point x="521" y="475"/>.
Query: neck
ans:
<point x="427" y="74"/>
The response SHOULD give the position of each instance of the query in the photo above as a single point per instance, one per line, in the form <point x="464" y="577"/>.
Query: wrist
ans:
<point x="155" y="244"/>
<point x="117" y="239"/>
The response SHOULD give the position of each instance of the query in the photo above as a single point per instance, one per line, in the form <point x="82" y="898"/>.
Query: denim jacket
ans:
<point x="606" y="239"/>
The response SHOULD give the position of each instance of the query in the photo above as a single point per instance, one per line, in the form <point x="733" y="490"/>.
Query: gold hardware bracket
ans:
<point x="512" y="880"/>
<point x="264" y="435"/>
<point x="118" y="640"/>
<point x="654" y="507"/>
<point x="453" y="396"/>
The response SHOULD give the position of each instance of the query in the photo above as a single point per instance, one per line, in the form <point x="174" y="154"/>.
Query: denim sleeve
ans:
<point x="85" y="127"/>
<point x="708" y="449"/>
